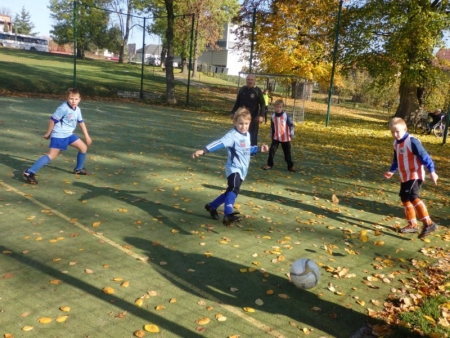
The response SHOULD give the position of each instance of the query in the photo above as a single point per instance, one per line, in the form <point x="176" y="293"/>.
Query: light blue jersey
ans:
<point x="239" y="150"/>
<point x="66" y="120"/>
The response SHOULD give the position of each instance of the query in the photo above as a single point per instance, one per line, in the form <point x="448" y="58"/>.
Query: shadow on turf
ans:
<point x="94" y="291"/>
<point x="132" y="197"/>
<point x="213" y="278"/>
<point x="340" y="217"/>
<point x="21" y="164"/>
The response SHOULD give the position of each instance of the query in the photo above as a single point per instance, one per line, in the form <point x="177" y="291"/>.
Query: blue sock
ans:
<point x="80" y="160"/>
<point x="217" y="202"/>
<point x="229" y="202"/>
<point x="43" y="160"/>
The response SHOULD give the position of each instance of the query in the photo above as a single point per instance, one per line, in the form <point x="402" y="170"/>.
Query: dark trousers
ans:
<point x="253" y="130"/>
<point x="286" y="146"/>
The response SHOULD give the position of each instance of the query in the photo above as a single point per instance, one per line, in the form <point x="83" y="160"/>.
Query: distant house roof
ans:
<point x="151" y="49"/>
<point x="443" y="54"/>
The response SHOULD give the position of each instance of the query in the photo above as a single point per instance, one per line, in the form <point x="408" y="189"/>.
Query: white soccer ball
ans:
<point x="305" y="273"/>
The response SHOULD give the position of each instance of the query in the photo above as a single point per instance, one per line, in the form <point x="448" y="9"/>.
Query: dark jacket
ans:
<point x="252" y="99"/>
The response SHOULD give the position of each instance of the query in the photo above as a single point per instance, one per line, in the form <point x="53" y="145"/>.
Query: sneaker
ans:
<point x="213" y="212"/>
<point x="410" y="228"/>
<point x="30" y="177"/>
<point x="426" y="230"/>
<point x="267" y="167"/>
<point x="291" y="169"/>
<point x="231" y="218"/>
<point x="82" y="171"/>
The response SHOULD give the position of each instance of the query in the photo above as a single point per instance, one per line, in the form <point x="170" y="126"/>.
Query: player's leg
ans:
<point x="56" y="145"/>
<point x="287" y="156"/>
<point x="253" y="130"/>
<point x="410" y="213"/>
<point x="234" y="185"/>
<point x="272" y="150"/>
<point x="81" y="156"/>
<point x="421" y="210"/>
<point x="212" y="207"/>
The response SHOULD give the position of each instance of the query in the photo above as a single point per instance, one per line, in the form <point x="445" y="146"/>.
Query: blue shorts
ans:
<point x="62" y="143"/>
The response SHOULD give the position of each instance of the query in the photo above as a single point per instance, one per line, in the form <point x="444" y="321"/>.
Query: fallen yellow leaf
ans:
<point x="45" y="320"/>
<point x="248" y="309"/>
<point x="65" y="308"/>
<point x="203" y="321"/>
<point x="61" y="319"/>
<point x="151" y="328"/>
<point x="27" y="328"/>
<point x="108" y="290"/>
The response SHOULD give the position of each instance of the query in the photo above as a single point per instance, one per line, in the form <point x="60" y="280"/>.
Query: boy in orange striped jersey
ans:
<point x="282" y="130"/>
<point x="410" y="157"/>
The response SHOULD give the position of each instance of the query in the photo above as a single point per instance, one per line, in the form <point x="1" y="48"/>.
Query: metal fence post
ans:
<point x="75" y="43"/>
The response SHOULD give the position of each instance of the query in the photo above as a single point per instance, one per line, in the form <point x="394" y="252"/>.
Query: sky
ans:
<point x="40" y="17"/>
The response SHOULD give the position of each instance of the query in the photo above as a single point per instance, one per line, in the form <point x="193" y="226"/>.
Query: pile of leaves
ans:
<point x="422" y="307"/>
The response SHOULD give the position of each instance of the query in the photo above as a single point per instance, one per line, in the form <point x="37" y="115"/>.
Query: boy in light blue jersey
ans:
<point x="60" y="132"/>
<point x="237" y="143"/>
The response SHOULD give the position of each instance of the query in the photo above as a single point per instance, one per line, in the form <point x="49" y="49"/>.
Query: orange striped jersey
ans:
<point x="282" y="127"/>
<point x="410" y="157"/>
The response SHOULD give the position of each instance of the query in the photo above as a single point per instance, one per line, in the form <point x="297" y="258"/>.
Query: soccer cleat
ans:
<point x="291" y="169"/>
<point x="30" y="177"/>
<point x="231" y="218"/>
<point x="267" y="167"/>
<point x="410" y="228"/>
<point x="426" y="230"/>
<point x="213" y="212"/>
<point x="81" y="171"/>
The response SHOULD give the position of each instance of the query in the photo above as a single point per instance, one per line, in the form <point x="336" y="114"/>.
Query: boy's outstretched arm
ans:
<point x="434" y="177"/>
<point x="198" y="153"/>
<point x="50" y="126"/>
<point x="86" y="134"/>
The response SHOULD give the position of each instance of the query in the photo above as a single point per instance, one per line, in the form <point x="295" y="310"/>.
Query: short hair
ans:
<point x="437" y="110"/>
<point x="243" y="113"/>
<point x="279" y="103"/>
<point x="73" y="91"/>
<point x="396" y="121"/>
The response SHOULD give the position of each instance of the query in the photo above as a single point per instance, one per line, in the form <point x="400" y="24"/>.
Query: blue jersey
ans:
<point x="66" y="120"/>
<point x="239" y="150"/>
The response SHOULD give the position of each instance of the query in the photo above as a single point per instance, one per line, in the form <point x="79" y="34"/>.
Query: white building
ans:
<point x="227" y="59"/>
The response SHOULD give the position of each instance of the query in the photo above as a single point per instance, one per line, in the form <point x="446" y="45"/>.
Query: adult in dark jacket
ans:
<point x="251" y="97"/>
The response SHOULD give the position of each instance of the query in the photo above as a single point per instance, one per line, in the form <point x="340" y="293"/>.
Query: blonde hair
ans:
<point x="279" y="103"/>
<point x="397" y="121"/>
<point x="242" y="112"/>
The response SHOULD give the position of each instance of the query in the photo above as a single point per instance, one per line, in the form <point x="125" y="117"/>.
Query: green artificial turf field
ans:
<point x="138" y="226"/>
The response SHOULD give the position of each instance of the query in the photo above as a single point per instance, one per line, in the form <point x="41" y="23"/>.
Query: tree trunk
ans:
<point x="409" y="105"/>
<point x="127" y="33"/>
<point x="170" y="79"/>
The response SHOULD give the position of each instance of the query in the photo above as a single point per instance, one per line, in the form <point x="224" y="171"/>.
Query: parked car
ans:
<point x="152" y="61"/>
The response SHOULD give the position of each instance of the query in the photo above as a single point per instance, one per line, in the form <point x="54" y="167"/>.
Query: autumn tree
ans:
<point x="291" y="37"/>
<point x="91" y="23"/>
<point x="395" y="41"/>
<point x="22" y="23"/>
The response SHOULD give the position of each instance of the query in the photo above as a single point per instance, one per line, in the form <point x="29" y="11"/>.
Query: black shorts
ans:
<point x="409" y="190"/>
<point x="234" y="183"/>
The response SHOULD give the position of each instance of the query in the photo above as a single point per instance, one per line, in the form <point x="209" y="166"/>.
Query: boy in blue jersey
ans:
<point x="237" y="143"/>
<point x="60" y="132"/>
